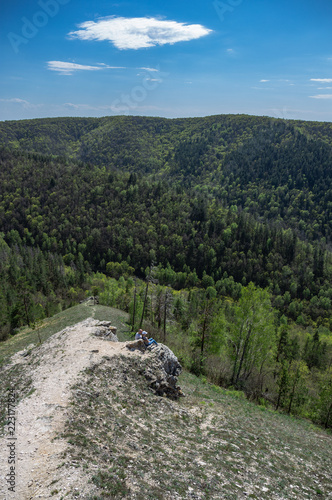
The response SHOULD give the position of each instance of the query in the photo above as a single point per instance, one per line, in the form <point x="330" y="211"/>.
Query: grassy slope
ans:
<point x="58" y="322"/>
<point x="210" y="444"/>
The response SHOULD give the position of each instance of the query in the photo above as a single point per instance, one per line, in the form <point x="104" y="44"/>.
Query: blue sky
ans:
<point x="174" y="58"/>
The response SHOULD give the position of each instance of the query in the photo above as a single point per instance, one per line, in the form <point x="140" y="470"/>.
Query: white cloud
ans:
<point x="17" y="100"/>
<point x="78" y="106"/>
<point x="321" y="96"/>
<point x="321" y="80"/>
<point x="138" y="32"/>
<point x="263" y="81"/>
<point x="67" y="68"/>
<point x="149" y="69"/>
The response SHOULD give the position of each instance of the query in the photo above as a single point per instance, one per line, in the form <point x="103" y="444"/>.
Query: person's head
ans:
<point x="140" y="330"/>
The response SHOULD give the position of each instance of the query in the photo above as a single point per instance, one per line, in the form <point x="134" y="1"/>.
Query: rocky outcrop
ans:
<point x="136" y="344"/>
<point x="161" y="368"/>
<point x="106" y="330"/>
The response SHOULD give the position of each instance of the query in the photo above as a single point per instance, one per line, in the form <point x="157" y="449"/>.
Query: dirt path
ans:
<point x="41" y="416"/>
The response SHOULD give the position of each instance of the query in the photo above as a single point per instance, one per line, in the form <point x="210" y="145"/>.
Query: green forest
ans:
<point x="213" y="232"/>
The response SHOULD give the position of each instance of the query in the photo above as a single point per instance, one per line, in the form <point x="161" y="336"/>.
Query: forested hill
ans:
<point x="227" y="217"/>
<point x="100" y="139"/>
<point x="274" y="169"/>
<point x="215" y="202"/>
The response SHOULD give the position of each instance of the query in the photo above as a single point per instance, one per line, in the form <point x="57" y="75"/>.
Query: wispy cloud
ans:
<point x="17" y="100"/>
<point x="263" y="81"/>
<point x="321" y="80"/>
<point x="84" y="107"/>
<point x="88" y="107"/>
<point x="139" y="32"/>
<point x="321" y="96"/>
<point x="68" y="68"/>
<point x="149" y="69"/>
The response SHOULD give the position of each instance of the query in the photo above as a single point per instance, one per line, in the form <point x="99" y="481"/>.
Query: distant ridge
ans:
<point x="261" y="154"/>
<point x="73" y="137"/>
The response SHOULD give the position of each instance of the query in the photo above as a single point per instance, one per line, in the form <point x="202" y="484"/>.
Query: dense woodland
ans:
<point x="228" y="210"/>
<point x="277" y="170"/>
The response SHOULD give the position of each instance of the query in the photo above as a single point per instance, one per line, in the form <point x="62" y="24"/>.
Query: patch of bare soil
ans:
<point x="40" y="418"/>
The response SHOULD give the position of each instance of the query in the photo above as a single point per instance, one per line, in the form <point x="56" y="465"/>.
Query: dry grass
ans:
<point x="27" y="336"/>
<point x="208" y="445"/>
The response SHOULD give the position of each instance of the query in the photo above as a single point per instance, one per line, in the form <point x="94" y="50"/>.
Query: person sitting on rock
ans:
<point x="139" y="334"/>
<point x="148" y="341"/>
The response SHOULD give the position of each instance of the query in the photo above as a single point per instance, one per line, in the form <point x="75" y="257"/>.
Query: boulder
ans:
<point x="106" y="330"/>
<point x="136" y="344"/>
<point x="161" y="368"/>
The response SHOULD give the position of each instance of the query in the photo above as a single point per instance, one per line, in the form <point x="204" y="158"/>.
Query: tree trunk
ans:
<point x="329" y="411"/>
<point x="165" y="316"/>
<point x="293" y="391"/>
<point x="203" y="338"/>
<point x="26" y="310"/>
<point x="134" y="309"/>
<point x="246" y="342"/>
<point x="145" y="300"/>
<point x="237" y="354"/>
